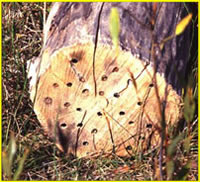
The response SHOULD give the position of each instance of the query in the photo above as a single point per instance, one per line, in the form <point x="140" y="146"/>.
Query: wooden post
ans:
<point x="94" y="101"/>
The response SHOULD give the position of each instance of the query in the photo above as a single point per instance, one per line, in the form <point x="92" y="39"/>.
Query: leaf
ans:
<point x="5" y="165"/>
<point x="21" y="165"/>
<point x="186" y="144"/>
<point x="189" y="105"/>
<point x="114" y="26"/>
<point x="8" y="156"/>
<point x="170" y="169"/>
<point x="155" y="5"/>
<point x="182" y="24"/>
<point x="133" y="79"/>
<point x="172" y="147"/>
<point x="12" y="147"/>
<point x="122" y="169"/>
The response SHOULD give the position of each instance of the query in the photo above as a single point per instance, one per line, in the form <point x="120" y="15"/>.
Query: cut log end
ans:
<point x="92" y="99"/>
<point x="123" y="114"/>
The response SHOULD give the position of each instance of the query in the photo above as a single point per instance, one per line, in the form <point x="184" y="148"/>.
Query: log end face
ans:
<point x="123" y="113"/>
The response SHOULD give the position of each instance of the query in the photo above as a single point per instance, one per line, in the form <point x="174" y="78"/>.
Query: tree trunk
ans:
<point x="93" y="99"/>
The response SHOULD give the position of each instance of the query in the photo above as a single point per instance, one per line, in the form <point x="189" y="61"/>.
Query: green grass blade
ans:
<point x="21" y="165"/>
<point x="114" y="26"/>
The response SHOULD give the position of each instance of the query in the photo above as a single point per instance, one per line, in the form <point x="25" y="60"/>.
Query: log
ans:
<point x="93" y="100"/>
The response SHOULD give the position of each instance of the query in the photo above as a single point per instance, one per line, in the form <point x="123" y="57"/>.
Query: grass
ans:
<point x="22" y="25"/>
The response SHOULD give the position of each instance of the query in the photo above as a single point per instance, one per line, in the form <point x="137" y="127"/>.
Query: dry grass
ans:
<point x="22" y="25"/>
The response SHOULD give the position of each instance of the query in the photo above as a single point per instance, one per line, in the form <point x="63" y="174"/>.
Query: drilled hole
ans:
<point x="149" y="125"/>
<point x="121" y="113"/>
<point x="79" y="124"/>
<point x="116" y="95"/>
<point x="115" y="69"/>
<point x="104" y="78"/>
<point x="78" y="109"/>
<point x="130" y="122"/>
<point x="81" y="79"/>
<point x="101" y="93"/>
<point x="99" y="114"/>
<point x="85" y="143"/>
<point x="128" y="147"/>
<point x="85" y="91"/>
<point x="48" y="100"/>
<point x="66" y="104"/>
<point x="151" y="85"/>
<point x="94" y="131"/>
<point x="139" y="103"/>
<point x="55" y="85"/>
<point x="69" y="84"/>
<point x="74" y="60"/>
<point x="63" y="125"/>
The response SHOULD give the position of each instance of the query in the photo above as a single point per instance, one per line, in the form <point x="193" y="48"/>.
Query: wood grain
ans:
<point x="123" y="116"/>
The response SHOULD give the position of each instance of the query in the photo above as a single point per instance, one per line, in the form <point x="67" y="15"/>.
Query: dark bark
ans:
<point x="137" y="32"/>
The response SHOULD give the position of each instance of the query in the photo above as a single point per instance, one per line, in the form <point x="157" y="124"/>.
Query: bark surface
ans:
<point x="141" y="25"/>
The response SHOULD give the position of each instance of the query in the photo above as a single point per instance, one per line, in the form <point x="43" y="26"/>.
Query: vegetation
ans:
<point x="28" y="154"/>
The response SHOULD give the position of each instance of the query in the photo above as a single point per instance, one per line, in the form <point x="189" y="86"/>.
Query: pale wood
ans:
<point x="53" y="94"/>
<point x="124" y="116"/>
